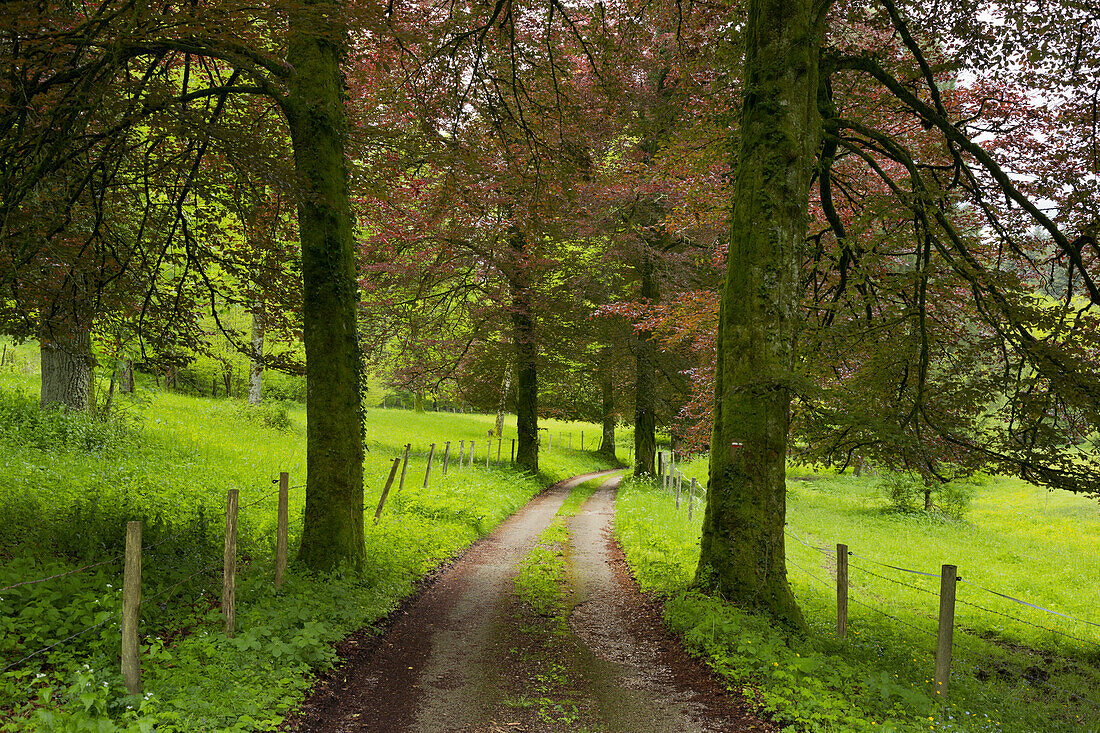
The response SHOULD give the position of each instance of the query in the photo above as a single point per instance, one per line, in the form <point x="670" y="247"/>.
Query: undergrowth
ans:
<point x="69" y="484"/>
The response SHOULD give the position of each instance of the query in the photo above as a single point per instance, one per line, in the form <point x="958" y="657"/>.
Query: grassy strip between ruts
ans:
<point x="70" y="486"/>
<point x="540" y="575"/>
<point x="1009" y="674"/>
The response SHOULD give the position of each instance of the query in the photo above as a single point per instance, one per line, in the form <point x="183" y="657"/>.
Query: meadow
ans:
<point x="69" y="483"/>
<point x="1016" y="668"/>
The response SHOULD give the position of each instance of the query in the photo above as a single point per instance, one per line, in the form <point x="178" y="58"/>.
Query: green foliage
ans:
<point x="24" y="424"/>
<point x="879" y="678"/>
<point x="906" y="493"/>
<point x="270" y="413"/>
<point x="68" y="509"/>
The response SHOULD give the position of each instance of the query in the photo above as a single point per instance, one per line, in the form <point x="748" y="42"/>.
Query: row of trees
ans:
<point x="743" y="222"/>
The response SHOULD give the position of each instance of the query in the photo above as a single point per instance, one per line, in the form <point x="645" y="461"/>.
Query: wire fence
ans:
<point x="1034" y="675"/>
<point x="159" y="594"/>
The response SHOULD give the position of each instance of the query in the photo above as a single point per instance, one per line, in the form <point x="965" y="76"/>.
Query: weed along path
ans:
<point x="538" y="627"/>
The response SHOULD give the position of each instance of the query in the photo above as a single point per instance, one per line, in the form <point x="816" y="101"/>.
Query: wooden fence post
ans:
<point x="948" y="577"/>
<point x="461" y="452"/>
<point x="281" y="528"/>
<point x="404" y="465"/>
<point x="428" y="470"/>
<point x="386" y="490"/>
<point x="660" y="465"/>
<point x="470" y="461"/>
<point x="131" y="609"/>
<point x="549" y="440"/>
<point x="582" y="440"/>
<point x="691" y="499"/>
<point x="842" y="591"/>
<point x="679" y="486"/>
<point x="446" y="456"/>
<point x="229" y="563"/>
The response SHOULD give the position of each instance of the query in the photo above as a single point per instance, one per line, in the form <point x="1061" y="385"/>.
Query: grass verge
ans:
<point x="1016" y="669"/>
<point x="70" y="484"/>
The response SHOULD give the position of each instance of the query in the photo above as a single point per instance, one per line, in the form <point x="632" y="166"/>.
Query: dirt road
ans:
<point x="468" y="655"/>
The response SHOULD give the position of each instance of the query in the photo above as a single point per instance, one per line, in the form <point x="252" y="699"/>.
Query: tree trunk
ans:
<point x="66" y="350"/>
<point x="125" y="375"/>
<point x="505" y="388"/>
<point x="607" y="391"/>
<point x="523" y="335"/>
<point x="332" y="532"/>
<point x="742" y="554"/>
<point x="256" y="364"/>
<point x="645" y="382"/>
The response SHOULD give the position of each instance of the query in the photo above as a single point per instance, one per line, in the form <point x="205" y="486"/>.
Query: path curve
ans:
<point x="466" y="655"/>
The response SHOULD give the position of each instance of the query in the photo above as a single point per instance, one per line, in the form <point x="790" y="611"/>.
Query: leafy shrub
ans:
<point x="24" y="423"/>
<point x="905" y="493"/>
<point x="271" y="413"/>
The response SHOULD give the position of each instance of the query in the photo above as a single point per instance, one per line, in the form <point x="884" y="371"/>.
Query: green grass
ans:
<point x="169" y="461"/>
<point x="1016" y="539"/>
<point x="540" y="575"/>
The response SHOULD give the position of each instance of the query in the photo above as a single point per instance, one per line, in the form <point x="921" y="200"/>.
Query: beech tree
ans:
<point x="796" y="56"/>
<point x="195" y="64"/>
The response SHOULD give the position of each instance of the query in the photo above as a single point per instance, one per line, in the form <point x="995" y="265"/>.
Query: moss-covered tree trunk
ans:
<point x="645" y="383"/>
<point x="332" y="532"/>
<point x="742" y="545"/>
<point x="526" y="354"/>
<point x="607" y="399"/>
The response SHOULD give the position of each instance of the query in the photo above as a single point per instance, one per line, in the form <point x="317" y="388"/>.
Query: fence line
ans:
<point x="116" y="558"/>
<point x="1028" y="623"/>
<point x="946" y="647"/>
<point x="891" y="580"/>
<point x="59" y="643"/>
<point x="961" y="580"/>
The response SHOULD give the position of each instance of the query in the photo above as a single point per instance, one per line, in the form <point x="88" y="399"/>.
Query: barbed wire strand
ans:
<point x="853" y="566"/>
<point x="894" y="567"/>
<point x="1032" y="605"/>
<point x="172" y="587"/>
<point x="855" y="599"/>
<point x="59" y="643"/>
<point x="116" y="558"/>
<point x="813" y="576"/>
<point x="1025" y="622"/>
<point x="1069" y="663"/>
<point x="858" y="602"/>
<point x="794" y="534"/>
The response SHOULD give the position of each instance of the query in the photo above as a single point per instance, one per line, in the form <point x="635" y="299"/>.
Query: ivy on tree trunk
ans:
<point x="742" y="555"/>
<point x="332" y="532"/>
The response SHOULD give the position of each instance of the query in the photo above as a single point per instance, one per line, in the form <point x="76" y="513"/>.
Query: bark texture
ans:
<point x="645" y="383"/>
<point x="66" y="352"/>
<point x="742" y="554"/>
<point x="523" y="334"/>
<point x="505" y="389"/>
<point x="607" y="398"/>
<point x="256" y="364"/>
<point x="332" y="532"/>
